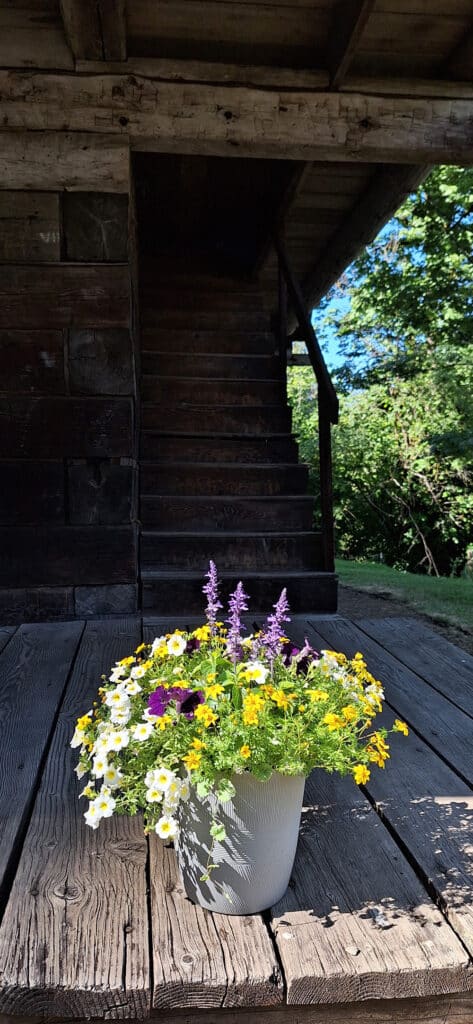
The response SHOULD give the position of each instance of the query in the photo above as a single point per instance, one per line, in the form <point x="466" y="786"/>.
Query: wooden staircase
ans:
<point x="219" y="473"/>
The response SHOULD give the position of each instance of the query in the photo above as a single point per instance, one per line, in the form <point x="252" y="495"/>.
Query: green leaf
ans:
<point x="225" y="791"/>
<point x="217" y="831"/>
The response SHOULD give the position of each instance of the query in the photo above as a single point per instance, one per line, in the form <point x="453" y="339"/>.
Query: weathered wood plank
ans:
<point x="202" y="959"/>
<point x="64" y="295"/>
<point x="229" y="119"/>
<point x="32" y="361"/>
<point x="31" y="492"/>
<point x="354" y="926"/>
<point x="95" y="28"/>
<point x="172" y="70"/>
<point x="34" y="666"/>
<point x="6" y="632"/>
<point x="29" y="226"/>
<point x="31" y="35"/>
<point x="61" y="555"/>
<point x="62" y="160"/>
<point x="36" y="604"/>
<point x="430" y="809"/>
<point x="95" y="227"/>
<point x="101" y="362"/>
<point x="74" y="938"/>
<point x="55" y="428"/>
<point x="444" y="666"/>
<point x="113" y="25"/>
<point x="442" y="725"/>
<point x="100" y="493"/>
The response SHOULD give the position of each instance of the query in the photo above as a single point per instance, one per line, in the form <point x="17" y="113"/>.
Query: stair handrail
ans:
<point x="307" y="332"/>
<point x="327" y="396"/>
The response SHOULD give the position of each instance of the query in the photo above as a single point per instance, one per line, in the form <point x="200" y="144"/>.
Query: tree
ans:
<point x="403" y="453"/>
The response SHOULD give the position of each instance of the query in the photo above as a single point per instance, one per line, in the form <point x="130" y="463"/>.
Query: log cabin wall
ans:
<point x="67" y="406"/>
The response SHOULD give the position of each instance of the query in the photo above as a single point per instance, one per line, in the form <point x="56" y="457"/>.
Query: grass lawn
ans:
<point x="444" y="598"/>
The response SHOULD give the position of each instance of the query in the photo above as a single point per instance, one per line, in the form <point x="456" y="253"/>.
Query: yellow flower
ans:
<point x="281" y="699"/>
<point x="140" y="648"/>
<point x="212" y="692"/>
<point x="202" y="633"/>
<point x="361" y="774"/>
<point x="333" y="722"/>
<point x="198" y="744"/>
<point x="350" y="713"/>
<point x="163" y="722"/>
<point x="211" y="676"/>
<point x="146" y="664"/>
<point x="317" y="695"/>
<point x="192" y="760"/>
<point x="245" y="751"/>
<point x="400" y="727"/>
<point x="250" y="717"/>
<point x="302" y="708"/>
<point x="83" y="722"/>
<point x="127" y="661"/>
<point x="205" y="715"/>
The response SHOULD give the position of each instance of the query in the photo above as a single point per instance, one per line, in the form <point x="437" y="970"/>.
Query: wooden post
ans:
<point x="282" y="319"/>
<point x="326" y="487"/>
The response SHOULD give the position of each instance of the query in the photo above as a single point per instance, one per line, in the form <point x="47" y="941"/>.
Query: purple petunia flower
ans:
<point x="211" y="592"/>
<point x="186" y="700"/>
<point x="236" y="605"/>
<point x="158" y="701"/>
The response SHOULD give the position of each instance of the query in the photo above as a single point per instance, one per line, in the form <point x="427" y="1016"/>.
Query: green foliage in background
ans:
<point x="403" y="452"/>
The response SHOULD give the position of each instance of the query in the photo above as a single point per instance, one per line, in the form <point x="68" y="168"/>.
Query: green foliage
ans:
<point x="403" y="452"/>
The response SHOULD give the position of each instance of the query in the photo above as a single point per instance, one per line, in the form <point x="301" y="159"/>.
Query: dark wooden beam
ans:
<point x="95" y="29"/>
<point x="460" y="63"/>
<point x="384" y="195"/>
<point x="293" y="189"/>
<point x="348" y="22"/>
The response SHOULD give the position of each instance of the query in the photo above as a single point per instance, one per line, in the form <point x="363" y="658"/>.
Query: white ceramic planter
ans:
<point x="256" y="858"/>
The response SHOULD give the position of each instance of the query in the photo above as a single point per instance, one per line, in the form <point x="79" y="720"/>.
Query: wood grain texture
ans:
<point x="29" y="226"/>
<point x="95" y="29"/>
<point x="55" y="428"/>
<point x="201" y="959"/>
<point x="348" y="22"/>
<point x="31" y="35"/>
<point x="356" y="923"/>
<point x="61" y="555"/>
<point x="32" y="361"/>
<point x="447" y="668"/>
<point x="85" y="891"/>
<point x="430" y="811"/>
<point x="6" y="632"/>
<point x="101" y="362"/>
<point x="32" y="492"/>
<point x="442" y="725"/>
<point x="64" y="295"/>
<point x="34" y="665"/>
<point x="95" y="227"/>
<point x="224" y="119"/>
<point x="63" y="160"/>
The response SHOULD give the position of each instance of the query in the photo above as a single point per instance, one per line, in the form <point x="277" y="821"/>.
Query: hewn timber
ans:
<point x="220" y="120"/>
<point x="64" y="295"/>
<point x="95" y="29"/>
<point x="380" y="201"/>
<point x="29" y="226"/>
<point x="348" y="22"/>
<point x="60" y="160"/>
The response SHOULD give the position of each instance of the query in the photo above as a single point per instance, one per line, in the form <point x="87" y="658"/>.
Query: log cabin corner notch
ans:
<point x="144" y="418"/>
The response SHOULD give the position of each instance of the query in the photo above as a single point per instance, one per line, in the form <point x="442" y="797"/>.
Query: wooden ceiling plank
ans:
<point x="380" y="201"/>
<point x="348" y="24"/>
<point x="95" y="29"/>
<point x="460" y="63"/>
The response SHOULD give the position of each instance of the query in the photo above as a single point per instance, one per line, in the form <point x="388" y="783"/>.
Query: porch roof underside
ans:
<point x="388" y="82"/>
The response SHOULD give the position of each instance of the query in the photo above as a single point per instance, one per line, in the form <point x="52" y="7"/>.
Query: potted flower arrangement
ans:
<point x="212" y="733"/>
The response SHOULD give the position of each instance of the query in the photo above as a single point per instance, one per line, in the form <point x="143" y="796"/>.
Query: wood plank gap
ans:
<point x="349" y="20"/>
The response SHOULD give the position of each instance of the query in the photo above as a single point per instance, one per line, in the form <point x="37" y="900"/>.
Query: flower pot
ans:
<point x="254" y="861"/>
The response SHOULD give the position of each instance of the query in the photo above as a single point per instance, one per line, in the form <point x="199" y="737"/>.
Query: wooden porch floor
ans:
<point x="377" y="924"/>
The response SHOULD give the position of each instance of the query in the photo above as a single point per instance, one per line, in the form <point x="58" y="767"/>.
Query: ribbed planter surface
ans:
<point x="255" y="860"/>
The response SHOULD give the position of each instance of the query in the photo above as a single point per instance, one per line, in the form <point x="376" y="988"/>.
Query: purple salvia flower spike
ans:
<point x="211" y="592"/>
<point x="236" y="605"/>
<point x="271" y="639"/>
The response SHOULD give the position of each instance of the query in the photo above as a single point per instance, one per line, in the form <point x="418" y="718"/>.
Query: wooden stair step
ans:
<point x="201" y="391"/>
<point x="218" y="448"/>
<point x="237" y="551"/>
<point x="186" y="339"/>
<point x="210" y="365"/>
<point x="238" y="319"/>
<point x="155" y="295"/>
<point x="232" y="419"/>
<point x="223" y="478"/>
<point x="307" y="592"/>
<point x="227" y="512"/>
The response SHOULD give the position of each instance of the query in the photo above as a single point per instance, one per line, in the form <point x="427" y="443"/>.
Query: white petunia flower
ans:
<point x="120" y="716"/>
<point x="112" y="777"/>
<point x="143" y="731"/>
<point x="163" y="779"/>
<point x="78" y="738"/>
<point x="92" y="815"/>
<point x="158" y="642"/>
<point x="117" y="673"/>
<point x="117" y="698"/>
<point x="105" y="803"/>
<point x="170" y="803"/>
<point x="80" y="772"/>
<point x="133" y="688"/>
<point x="99" y="766"/>
<point x="256" y="671"/>
<point x="176" y="644"/>
<point x="185" y="792"/>
<point x="166" y="827"/>
<point x="153" y="795"/>
<point x="117" y="739"/>
<point x="138" y="672"/>
<point x="148" y="717"/>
